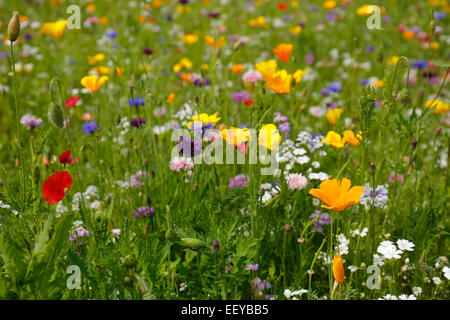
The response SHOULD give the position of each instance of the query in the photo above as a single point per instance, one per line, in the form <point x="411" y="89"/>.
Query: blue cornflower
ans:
<point x="379" y="198"/>
<point x="335" y="87"/>
<point x="137" y="102"/>
<point x="111" y="33"/>
<point x="90" y="127"/>
<point x="364" y="82"/>
<point x="420" y="64"/>
<point x="439" y="15"/>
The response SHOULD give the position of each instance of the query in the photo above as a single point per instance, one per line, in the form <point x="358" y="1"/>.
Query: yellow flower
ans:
<point x="102" y="70"/>
<point x="365" y="10"/>
<point x="258" y="22"/>
<point x="235" y="136"/>
<point x="333" y="115"/>
<point x="280" y="82"/>
<point x="334" y="139"/>
<point x="119" y="71"/>
<point x="329" y="4"/>
<point x="96" y="58"/>
<point x="204" y="119"/>
<point x="338" y="268"/>
<point x="336" y="194"/>
<point x="295" y="30"/>
<point x="298" y="75"/>
<point x="215" y="43"/>
<point x="267" y="68"/>
<point x="352" y="139"/>
<point x="93" y="83"/>
<point x="54" y="29"/>
<point x="269" y="137"/>
<point x="189" y="38"/>
<point x="440" y="106"/>
<point x="184" y="63"/>
<point x="393" y="60"/>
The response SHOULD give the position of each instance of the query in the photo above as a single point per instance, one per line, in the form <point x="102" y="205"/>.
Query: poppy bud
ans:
<point x="56" y="115"/>
<point x="287" y="228"/>
<point x="404" y="96"/>
<point x="438" y="130"/>
<point x="130" y="261"/>
<point x="14" y="27"/>
<point x="36" y="175"/>
<point x="192" y="243"/>
<point x="338" y="268"/>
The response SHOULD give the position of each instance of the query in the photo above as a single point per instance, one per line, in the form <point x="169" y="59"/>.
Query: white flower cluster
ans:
<point x="7" y="206"/>
<point x="388" y="250"/>
<point x="359" y="233"/>
<point x="342" y="247"/>
<point x="269" y="192"/>
<point x="90" y="200"/>
<point x="294" y="294"/>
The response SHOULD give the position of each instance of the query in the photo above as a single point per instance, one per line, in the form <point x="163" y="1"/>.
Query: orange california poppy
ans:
<point x="337" y="195"/>
<point x="283" y="51"/>
<point x="338" y="268"/>
<point x="93" y="83"/>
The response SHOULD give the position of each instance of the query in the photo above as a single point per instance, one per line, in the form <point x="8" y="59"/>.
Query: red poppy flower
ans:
<point x="72" y="101"/>
<point x="282" y="6"/>
<point x="55" y="187"/>
<point x="66" y="158"/>
<point x="249" y="102"/>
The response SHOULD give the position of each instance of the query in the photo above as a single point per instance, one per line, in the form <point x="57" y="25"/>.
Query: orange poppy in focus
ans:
<point x="337" y="195"/>
<point x="338" y="268"/>
<point x="56" y="186"/>
<point x="283" y="51"/>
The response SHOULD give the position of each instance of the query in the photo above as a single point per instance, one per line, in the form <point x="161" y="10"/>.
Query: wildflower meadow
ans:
<point x="224" y="150"/>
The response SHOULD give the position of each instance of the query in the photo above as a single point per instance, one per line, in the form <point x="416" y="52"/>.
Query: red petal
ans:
<point x="55" y="185"/>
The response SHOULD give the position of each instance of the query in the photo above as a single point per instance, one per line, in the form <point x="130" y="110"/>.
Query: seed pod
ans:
<point x="14" y="27"/>
<point x="130" y="261"/>
<point x="36" y="175"/>
<point x="192" y="243"/>
<point x="56" y="115"/>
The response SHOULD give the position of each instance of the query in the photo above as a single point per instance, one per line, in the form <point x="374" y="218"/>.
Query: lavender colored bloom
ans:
<point x="335" y="87"/>
<point x="280" y="119"/>
<point x="200" y="129"/>
<point x="239" y="181"/>
<point x="137" y="102"/>
<point x="144" y="212"/>
<point x="138" y="122"/>
<point x="241" y="96"/>
<point x="309" y="58"/>
<point x="379" y="198"/>
<point x="31" y="121"/>
<point x="253" y="267"/>
<point x="284" y="127"/>
<point x="269" y="297"/>
<point x="134" y="179"/>
<point x="111" y="33"/>
<point x="332" y="105"/>
<point x="90" y="127"/>
<point x="370" y="49"/>
<point x="330" y="16"/>
<point x="199" y="83"/>
<point x="364" y="82"/>
<point x="420" y="64"/>
<point x="324" y="218"/>
<point x="439" y="15"/>
<point x="189" y="147"/>
<point x="325" y="92"/>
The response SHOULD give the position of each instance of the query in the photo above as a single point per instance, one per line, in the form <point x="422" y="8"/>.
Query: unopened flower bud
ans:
<point x="216" y="245"/>
<point x="372" y="167"/>
<point x="14" y="27"/>
<point x="414" y="144"/>
<point x="287" y="228"/>
<point x="56" y="115"/>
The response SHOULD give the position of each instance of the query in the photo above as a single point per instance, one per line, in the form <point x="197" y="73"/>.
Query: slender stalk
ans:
<point x="22" y="176"/>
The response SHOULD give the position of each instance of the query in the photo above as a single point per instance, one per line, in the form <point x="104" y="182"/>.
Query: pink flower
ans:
<point x="296" y="181"/>
<point x="181" y="163"/>
<point x="252" y="76"/>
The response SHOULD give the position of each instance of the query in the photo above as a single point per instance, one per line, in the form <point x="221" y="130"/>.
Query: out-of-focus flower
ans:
<point x="94" y="83"/>
<point x="280" y="82"/>
<point x="90" y="127"/>
<point x="96" y="58"/>
<point x="269" y="136"/>
<point x="72" y="101"/>
<point x="323" y="219"/>
<point x="54" y="29"/>
<point x="298" y="75"/>
<point x="215" y="43"/>
<point x="335" y="140"/>
<point x="240" y="96"/>
<point x="439" y="106"/>
<point x="237" y="69"/>
<point x="352" y="139"/>
<point x="236" y="136"/>
<point x="239" y="181"/>
<point x="283" y="51"/>
<point x="181" y="164"/>
<point x="252" y="76"/>
<point x="189" y="38"/>
<point x="136" y="102"/>
<point x="266" y="68"/>
<point x="336" y="194"/>
<point x="31" y="121"/>
<point x="333" y="115"/>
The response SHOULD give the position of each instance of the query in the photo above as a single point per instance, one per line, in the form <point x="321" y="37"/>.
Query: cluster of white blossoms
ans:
<point x="268" y="191"/>
<point x="388" y="250"/>
<point x="401" y="297"/>
<point x="90" y="197"/>
<point x="359" y="233"/>
<point x="294" y="294"/>
<point x="8" y="207"/>
<point x="124" y="127"/>
<point x="342" y="247"/>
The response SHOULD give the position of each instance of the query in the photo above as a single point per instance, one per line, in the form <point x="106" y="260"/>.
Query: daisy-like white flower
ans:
<point x="446" y="271"/>
<point x="437" y="281"/>
<point x="407" y="297"/>
<point x="417" y="291"/>
<point x="389" y="250"/>
<point x="352" y="268"/>
<point x="405" y="245"/>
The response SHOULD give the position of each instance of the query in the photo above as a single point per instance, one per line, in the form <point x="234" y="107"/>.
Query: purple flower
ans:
<point x="147" y="51"/>
<point x="309" y="58"/>
<point x="189" y="147"/>
<point x="324" y="218"/>
<point x="144" y="212"/>
<point x="420" y="64"/>
<point x="137" y="102"/>
<point x="239" y="181"/>
<point x="137" y="122"/>
<point x="284" y="127"/>
<point x="253" y="267"/>
<point x="240" y="97"/>
<point x="90" y="127"/>
<point x="31" y="121"/>
<point x="335" y="87"/>
<point x="325" y="92"/>
<point x="134" y="179"/>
